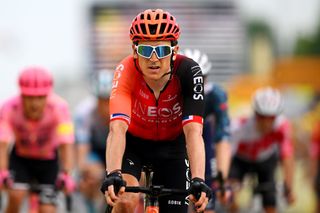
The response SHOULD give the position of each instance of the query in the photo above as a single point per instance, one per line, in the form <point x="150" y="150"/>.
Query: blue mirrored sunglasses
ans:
<point x="161" y="51"/>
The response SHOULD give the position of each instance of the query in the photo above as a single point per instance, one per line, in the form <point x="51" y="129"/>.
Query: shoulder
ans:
<point x="126" y="63"/>
<point x="185" y="65"/>
<point x="11" y="103"/>
<point x="56" y="102"/>
<point x="217" y="92"/>
<point x="282" y="123"/>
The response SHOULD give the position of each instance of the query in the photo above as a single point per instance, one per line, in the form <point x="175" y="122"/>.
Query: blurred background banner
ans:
<point x="250" y="44"/>
<point x="213" y="27"/>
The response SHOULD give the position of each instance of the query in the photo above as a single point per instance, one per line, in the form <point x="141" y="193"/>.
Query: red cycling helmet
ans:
<point x="154" y="25"/>
<point x="35" y="81"/>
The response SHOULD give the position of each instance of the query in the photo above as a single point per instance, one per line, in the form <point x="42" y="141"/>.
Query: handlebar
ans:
<point x="156" y="191"/>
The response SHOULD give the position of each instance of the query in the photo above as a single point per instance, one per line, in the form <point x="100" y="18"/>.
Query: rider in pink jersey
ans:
<point x="36" y="124"/>
<point x="260" y="141"/>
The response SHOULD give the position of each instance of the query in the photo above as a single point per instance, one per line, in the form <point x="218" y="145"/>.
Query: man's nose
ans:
<point x="154" y="57"/>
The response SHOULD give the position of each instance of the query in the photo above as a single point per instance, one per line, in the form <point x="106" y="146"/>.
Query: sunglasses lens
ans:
<point x="145" y="51"/>
<point x="163" y="51"/>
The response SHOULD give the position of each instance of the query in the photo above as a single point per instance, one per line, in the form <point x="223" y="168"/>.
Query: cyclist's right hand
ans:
<point x="113" y="186"/>
<point x="6" y="180"/>
<point x="288" y="194"/>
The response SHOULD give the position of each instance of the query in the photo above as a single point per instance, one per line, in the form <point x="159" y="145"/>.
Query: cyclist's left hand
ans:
<point x="200" y="194"/>
<point x="6" y="180"/>
<point x="224" y="197"/>
<point x="65" y="182"/>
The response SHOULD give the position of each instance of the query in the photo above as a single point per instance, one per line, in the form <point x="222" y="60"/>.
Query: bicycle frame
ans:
<point x="153" y="192"/>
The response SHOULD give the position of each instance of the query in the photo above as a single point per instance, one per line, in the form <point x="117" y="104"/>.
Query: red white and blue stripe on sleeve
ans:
<point x="120" y="116"/>
<point x="192" y="118"/>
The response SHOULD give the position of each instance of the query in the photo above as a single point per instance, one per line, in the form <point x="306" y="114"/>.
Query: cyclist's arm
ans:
<point x="116" y="144"/>
<point x="4" y="155"/>
<point x="65" y="135"/>
<point x="223" y="153"/>
<point x="120" y="112"/>
<point x="195" y="148"/>
<point x="314" y="151"/>
<point x="192" y="87"/>
<point x="218" y="106"/>
<point x="82" y="151"/>
<point x="288" y="170"/>
<point x="287" y="154"/>
<point x="82" y="123"/>
<point x="66" y="155"/>
<point x="6" y="135"/>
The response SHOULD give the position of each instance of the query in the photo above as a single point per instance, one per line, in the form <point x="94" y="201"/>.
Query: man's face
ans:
<point x="33" y="106"/>
<point x="265" y="123"/>
<point x="154" y="68"/>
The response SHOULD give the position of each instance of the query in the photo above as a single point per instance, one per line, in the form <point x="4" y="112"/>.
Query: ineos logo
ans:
<point x="197" y="83"/>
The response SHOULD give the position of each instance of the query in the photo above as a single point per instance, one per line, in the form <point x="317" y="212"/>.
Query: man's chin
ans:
<point x="34" y="116"/>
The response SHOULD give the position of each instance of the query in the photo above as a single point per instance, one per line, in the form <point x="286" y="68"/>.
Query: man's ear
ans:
<point x="175" y="52"/>
<point x="134" y="52"/>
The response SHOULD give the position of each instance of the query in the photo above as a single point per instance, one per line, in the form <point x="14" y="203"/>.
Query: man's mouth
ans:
<point x="154" y="67"/>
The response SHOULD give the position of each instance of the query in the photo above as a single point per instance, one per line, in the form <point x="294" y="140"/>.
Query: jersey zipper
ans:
<point x="157" y="104"/>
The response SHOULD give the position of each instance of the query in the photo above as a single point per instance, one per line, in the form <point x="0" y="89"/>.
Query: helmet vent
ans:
<point x="142" y="16"/>
<point x="157" y="16"/>
<point x="148" y="17"/>
<point x="169" y="28"/>
<point x="162" y="27"/>
<point x="137" y="29"/>
<point x="176" y="29"/>
<point x="143" y="28"/>
<point x="164" y="16"/>
<point x="153" y="28"/>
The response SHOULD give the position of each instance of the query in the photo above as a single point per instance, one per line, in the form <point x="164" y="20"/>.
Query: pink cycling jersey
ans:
<point x="251" y="145"/>
<point x="36" y="139"/>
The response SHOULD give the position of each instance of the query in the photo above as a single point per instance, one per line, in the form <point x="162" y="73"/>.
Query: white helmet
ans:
<point x="267" y="101"/>
<point x="102" y="83"/>
<point x="201" y="58"/>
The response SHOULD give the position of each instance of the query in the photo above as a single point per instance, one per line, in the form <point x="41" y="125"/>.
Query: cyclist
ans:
<point x="259" y="142"/>
<point x="39" y="124"/>
<point x="156" y="108"/>
<point x="216" y="126"/>
<point x="91" y="130"/>
<point x="315" y="156"/>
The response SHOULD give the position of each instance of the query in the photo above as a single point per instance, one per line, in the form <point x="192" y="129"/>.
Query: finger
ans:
<point x="122" y="190"/>
<point x="203" y="206"/>
<point x="109" y="200"/>
<point x="111" y="193"/>
<point x="192" y="198"/>
<point x="201" y="199"/>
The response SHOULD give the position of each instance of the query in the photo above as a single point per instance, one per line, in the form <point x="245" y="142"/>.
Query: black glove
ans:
<point x="197" y="186"/>
<point x="115" y="179"/>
